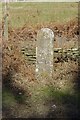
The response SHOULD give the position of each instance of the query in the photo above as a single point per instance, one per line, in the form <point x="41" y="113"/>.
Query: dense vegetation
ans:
<point x="55" y="98"/>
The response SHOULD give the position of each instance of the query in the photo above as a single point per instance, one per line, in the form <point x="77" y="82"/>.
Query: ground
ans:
<point x="54" y="98"/>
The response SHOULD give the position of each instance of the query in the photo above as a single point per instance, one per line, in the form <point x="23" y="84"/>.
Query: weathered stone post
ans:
<point x="44" y="54"/>
<point x="5" y="19"/>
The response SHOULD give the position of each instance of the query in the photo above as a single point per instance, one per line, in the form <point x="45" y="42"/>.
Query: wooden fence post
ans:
<point x="5" y="20"/>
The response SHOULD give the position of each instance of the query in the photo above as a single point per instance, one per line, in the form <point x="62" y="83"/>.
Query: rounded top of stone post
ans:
<point x="46" y="33"/>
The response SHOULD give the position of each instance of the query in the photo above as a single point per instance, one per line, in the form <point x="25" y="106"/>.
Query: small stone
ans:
<point x="20" y="93"/>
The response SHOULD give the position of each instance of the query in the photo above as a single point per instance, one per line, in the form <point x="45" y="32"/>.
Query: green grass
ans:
<point x="47" y="95"/>
<point x="8" y="98"/>
<point x="43" y="93"/>
<point x="40" y="13"/>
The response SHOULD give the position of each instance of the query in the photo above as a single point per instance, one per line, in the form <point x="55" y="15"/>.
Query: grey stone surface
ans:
<point x="44" y="54"/>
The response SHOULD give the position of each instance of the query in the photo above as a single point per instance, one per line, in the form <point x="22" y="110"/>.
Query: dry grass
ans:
<point x="21" y="90"/>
